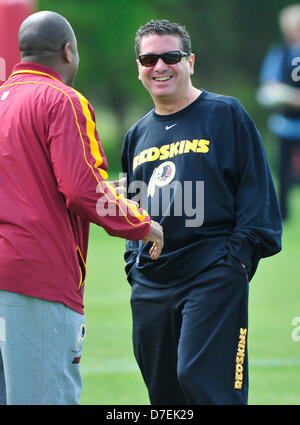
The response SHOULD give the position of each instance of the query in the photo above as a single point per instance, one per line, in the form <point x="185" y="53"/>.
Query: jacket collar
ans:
<point x="35" y="68"/>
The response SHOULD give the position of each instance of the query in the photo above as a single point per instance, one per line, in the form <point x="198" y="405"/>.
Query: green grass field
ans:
<point x="108" y="366"/>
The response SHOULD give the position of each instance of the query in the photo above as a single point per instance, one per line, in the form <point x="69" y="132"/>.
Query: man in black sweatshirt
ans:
<point x="197" y="163"/>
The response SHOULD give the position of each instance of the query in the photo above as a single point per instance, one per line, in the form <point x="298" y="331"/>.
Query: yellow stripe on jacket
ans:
<point x="90" y="131"/>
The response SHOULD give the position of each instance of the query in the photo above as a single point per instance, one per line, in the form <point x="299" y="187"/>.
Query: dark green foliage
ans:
<point x="229" y="39"/>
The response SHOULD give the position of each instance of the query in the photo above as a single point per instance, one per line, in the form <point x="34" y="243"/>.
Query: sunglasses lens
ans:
<point x="148" y="60"/>
<point x="171" y="58"/>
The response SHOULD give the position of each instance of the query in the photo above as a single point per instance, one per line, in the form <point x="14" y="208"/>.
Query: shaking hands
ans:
<point x="156" y="231"/>
<point x="156" y="236"/>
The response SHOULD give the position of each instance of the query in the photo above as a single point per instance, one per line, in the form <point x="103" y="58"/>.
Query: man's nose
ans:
<point x="160" y="65"/>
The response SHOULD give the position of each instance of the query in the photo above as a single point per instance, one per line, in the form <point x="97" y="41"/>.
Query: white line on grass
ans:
<point x="119" y="366"/>
<point x="275" y="362"/>
<point x="112" y="365"/>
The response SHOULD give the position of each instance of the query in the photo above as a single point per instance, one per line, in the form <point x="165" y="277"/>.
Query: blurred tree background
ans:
<point x="229" y="39"/>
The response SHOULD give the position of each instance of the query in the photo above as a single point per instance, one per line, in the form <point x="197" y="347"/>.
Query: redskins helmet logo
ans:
<point x="161" y="176"/>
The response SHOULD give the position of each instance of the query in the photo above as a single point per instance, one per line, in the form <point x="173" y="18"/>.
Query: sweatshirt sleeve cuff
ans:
<point x="243" y="250"/>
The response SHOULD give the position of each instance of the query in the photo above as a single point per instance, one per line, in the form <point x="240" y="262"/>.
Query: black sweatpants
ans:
<point x="190" y="341"/>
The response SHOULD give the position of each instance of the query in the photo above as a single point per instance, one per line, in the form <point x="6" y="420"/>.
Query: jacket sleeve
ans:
<point x="258" y="225"/>
<point x="131" y="247"/>
<point x="80" y="168"/>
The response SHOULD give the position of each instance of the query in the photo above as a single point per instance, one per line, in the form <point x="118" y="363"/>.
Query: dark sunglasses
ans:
<point x="170" y="58"/>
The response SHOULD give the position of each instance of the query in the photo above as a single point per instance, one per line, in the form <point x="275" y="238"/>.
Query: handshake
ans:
<point x="156" y="231"/>
<point x="156" y="236"/>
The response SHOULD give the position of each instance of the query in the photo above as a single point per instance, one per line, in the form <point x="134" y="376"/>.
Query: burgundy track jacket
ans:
<point x="53" y="183"/>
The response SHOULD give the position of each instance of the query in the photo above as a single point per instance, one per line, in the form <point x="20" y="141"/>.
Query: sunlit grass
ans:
<point x="108" y="365"/>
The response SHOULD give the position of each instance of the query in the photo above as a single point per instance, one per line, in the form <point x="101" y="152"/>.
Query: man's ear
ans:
<point x="191" y="60"/>
<point x="138" y="66"/>
<point x="67" y="54"/>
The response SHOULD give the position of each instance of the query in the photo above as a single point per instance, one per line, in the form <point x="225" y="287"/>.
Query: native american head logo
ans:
<point x="161" y="176"/>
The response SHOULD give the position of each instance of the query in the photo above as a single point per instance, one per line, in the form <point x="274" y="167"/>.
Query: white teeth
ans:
<point x="161" y="78"/>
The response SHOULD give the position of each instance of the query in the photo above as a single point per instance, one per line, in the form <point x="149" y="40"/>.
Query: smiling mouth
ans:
<point x="165" y="78"/>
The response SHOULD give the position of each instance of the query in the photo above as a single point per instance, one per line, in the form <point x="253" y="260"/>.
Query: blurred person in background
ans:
<point x="53" y="174"/>
<point x="199" y="149"/>
<point x="280" y="92"/>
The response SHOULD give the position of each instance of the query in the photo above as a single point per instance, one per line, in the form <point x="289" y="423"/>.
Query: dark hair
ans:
<point x="163" y="27"/>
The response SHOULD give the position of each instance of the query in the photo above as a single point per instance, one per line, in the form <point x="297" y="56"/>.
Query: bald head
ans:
<point x="44" y="32"/>
<point x="48" y="38"/>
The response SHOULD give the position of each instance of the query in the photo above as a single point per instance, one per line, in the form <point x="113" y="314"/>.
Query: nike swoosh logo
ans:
<point x="170" y="126"/>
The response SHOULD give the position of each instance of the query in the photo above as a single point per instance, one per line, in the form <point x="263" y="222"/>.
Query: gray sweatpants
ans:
<point x="40" y="349"/>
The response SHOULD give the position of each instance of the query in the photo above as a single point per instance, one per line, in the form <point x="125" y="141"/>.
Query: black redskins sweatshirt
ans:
<point x="203" y="174"/>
